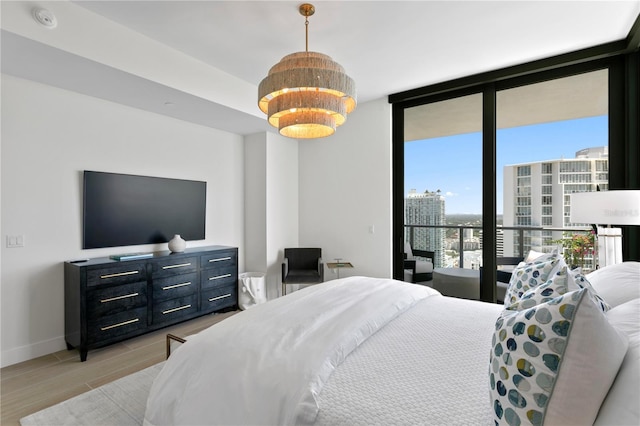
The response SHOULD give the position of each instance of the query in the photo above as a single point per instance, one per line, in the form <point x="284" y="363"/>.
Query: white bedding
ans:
<point x="428" y="367"/>
<point x="220" y="376"/>
<point x="359" y="351"/>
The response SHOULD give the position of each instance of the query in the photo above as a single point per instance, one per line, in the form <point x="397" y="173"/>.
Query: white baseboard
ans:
<point x="27" y="352"/>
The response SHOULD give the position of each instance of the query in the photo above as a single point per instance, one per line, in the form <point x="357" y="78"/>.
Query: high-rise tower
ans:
<point x="537" y="194"/>
<point x="426" y="208"/>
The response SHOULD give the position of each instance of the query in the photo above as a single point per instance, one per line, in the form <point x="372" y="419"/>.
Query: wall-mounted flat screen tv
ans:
<point x="125" y="210"/>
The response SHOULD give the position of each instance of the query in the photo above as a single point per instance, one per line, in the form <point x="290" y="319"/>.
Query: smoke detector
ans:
<point x="45" y="18"/>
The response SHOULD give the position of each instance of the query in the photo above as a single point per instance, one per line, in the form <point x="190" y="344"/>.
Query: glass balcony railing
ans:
<point x="460" y="246"/>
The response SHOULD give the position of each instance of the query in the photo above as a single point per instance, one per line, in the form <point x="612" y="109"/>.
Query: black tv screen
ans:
<point x="124" y="210"/>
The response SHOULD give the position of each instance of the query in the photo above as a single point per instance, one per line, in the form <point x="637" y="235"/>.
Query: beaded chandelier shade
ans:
<point x="307" y="94"/>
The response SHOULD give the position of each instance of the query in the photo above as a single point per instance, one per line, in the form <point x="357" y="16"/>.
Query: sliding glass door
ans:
<point x="443" y="180"/>
<point x="523" y="139"/>
<point x="552" y="141"/>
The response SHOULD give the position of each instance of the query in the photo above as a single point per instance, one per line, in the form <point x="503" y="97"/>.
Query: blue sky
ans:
<point x="453" y="164"/>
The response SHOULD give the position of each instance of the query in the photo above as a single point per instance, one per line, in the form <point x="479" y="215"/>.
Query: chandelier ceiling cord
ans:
<point x="307" y="94"/>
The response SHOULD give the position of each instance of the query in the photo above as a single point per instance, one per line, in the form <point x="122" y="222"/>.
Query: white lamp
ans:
<point x="620" y="207"/>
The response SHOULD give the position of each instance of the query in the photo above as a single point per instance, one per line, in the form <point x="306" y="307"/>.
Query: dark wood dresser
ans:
<point x="108" y="300"/>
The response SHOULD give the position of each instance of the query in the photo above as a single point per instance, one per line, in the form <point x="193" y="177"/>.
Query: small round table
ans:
<point x="457" y="282"/>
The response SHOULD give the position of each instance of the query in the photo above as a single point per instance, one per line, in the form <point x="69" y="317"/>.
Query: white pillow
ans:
<point x="408" y="251"/>
<point x="553" y="363"/>
<point x="578" y="280"/>
<point x="424" y="267"/>
<point x="618" y="283"/>
<point x="533" y="255"/>
<point x="619" y="408"/>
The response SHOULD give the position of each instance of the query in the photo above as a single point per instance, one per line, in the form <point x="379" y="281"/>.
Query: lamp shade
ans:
<point x="307" y="94"/>
<point x="620" y="207"/>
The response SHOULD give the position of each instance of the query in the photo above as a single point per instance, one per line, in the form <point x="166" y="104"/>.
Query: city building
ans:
<point x="537" y="194"/>
<point x="426" y="208"/>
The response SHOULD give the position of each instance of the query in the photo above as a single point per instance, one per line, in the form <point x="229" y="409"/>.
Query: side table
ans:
<point x="338" y="264"/>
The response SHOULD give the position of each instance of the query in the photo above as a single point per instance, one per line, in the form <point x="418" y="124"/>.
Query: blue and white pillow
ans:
<point x="560" y="283"/>
<point x="553" y="362"/>
<point x="532" y="274"/>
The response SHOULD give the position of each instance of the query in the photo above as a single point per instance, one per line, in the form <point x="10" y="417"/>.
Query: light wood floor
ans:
<point x="39" y="383"/>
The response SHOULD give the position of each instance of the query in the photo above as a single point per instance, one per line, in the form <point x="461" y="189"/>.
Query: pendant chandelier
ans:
<point x="307" y="94"/>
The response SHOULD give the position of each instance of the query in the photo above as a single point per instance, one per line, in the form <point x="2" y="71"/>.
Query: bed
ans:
<point x="563" y="349"/>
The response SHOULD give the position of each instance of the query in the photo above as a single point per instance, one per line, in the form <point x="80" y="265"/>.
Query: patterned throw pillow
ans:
<point x="553" y="363"/>
<point x="560" y="283"/>
<point x="531" y="275"/>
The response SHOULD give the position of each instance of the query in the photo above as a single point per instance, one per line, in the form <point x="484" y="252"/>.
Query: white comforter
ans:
<point x="267" y="365"/>
<point x="428" y="367"/>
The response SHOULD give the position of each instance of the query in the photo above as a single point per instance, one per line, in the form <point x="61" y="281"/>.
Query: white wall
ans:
<point x="271" y="204"/>
<point x="48" y="137"/>
<point x="255" y="202"/>
<point x="345" y="189"/>
<point x="282" y="204"/>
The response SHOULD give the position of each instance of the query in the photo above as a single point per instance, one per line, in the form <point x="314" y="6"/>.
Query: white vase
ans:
<point x="177" y="244"/>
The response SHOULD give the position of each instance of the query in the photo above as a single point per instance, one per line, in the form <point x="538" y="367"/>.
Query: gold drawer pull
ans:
<point x="176" y="309"/>
<point x="220" y="277"/>
<point x="169" y="287"/>
<point x="219" y="297"/>
<point x="221" y="259"/>
<point x="119" y="274"/>
<point x="180" y="265"/>
<point x="109" y="327"/>
<point x="111" y="299"/>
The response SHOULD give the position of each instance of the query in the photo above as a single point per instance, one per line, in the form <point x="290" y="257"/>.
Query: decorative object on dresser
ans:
<point x="177" y="244"/>
<point x="107" y="301"/>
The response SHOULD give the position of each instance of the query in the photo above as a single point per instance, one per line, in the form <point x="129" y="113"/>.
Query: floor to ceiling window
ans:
<point x="443" y="180"/>
<point x="547" y="129"/>
<point x="552" y="141"/>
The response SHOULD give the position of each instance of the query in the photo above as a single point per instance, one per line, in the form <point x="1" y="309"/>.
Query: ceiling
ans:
<point x="201" y="61"/>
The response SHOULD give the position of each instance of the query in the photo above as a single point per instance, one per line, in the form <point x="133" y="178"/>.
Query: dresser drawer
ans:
<point x="119" y="273"/>
<point x="174" y="286"/>
<point x="218" y="277"/>
<point x="219" y="259"/>
<point x="219" y="297"/>
<point x="175" y="309"/>
<point x="113" y="299"/>
<point x="173" y="266"/>
<point x="107" y="327"/>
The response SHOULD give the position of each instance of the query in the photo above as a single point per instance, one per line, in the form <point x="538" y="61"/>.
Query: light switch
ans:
<point x="372" y="229"/>
<point x="15" y="241"/>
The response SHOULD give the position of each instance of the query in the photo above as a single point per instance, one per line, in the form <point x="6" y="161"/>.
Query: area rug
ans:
<point x="119" y="403"/>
